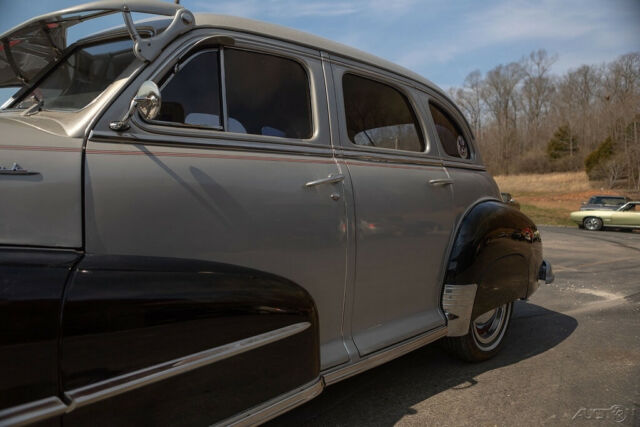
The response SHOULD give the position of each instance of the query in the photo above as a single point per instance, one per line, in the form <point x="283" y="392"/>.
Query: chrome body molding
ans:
<point x="335" y="375"/>
<point x="457" y="302"/>
<point x="274" y="407"/>
<point x="104" y="389"/>
<point x="32" y="412"/>
<point x="50" y="407"/>
<point x="285" y="403"/>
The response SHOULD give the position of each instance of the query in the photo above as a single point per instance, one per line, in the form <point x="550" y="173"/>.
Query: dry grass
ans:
<point x="562" y="182"/>
<point x="550" y="198"/>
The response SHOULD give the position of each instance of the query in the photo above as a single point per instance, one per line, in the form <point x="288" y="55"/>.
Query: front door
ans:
<point x="238" y="168"/>
<point x="629" y="216"/>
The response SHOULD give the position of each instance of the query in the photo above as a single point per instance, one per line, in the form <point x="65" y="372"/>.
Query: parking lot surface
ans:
<point x="571" y="357"/>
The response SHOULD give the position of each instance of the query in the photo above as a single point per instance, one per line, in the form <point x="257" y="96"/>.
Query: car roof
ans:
<point x="300" y="37"/>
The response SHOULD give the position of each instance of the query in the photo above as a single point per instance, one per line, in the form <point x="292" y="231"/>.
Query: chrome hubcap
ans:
<point x="591" y="223"/>
<point x="489" y="328"/>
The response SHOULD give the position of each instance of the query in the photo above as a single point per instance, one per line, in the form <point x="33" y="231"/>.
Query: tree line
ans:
<point x="528" y="120"/>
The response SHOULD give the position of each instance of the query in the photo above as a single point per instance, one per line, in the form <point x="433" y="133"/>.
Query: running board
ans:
<point x="335" y="375"/>
<point x="284" y="403"/>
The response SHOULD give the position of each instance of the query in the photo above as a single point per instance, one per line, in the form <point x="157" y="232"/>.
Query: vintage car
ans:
<point x="208" y="219"/>
<point x="601" y="203"/>
<point x="626" y="216"/>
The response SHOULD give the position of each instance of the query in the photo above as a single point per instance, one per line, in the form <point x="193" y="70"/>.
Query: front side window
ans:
<point x="378" y="115"/>
<point x="451" y="138"/>
<point x="192" y="95"/>
<point x="265" y="94"/>
<point x="83" y="75"/>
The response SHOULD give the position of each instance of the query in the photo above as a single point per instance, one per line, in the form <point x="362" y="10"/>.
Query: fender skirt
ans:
<point x="499" y="249"/>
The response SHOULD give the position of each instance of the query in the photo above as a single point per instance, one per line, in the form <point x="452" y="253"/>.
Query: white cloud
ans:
<point x="549" y="24"/>
<point x="549" y="19"/>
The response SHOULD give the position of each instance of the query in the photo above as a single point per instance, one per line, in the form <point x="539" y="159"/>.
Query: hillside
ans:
<point x="549" y="198"/>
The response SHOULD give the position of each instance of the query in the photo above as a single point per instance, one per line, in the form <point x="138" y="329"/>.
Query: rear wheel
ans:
<point x="485" y="337"/>
<point x="592" y="223"/>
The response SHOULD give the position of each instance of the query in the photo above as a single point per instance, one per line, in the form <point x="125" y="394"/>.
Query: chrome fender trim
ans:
<point x="288" y="401"/>
<point x="53" y="406"/>
<point x="32" y="412"/>
<point x="276" y="406"/>
<point x="104" y="389"/>
<point x="457" y="302"/>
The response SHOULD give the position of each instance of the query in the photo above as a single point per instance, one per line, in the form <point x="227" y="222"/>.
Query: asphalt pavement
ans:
<point x="571" y="356"/>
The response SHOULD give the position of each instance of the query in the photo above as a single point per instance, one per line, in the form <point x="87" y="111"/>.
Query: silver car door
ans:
<point x="402" y="204"/>
<point x="40" y="183"/>
<point x="211" y="186"/>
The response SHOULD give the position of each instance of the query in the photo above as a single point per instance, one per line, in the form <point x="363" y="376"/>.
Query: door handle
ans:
<point x="441" y="182"/>
<point x="331" y="179"/>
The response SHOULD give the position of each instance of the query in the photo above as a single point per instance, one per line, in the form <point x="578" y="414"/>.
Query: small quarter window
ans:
<point x="192" y="95"/>
<point x="267" y="95"/>
<point x="451" y="138"/>
<point x="378" y="115"/>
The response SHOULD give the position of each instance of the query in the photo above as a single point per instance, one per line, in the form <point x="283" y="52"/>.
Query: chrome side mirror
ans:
<point x="147" y="101"/>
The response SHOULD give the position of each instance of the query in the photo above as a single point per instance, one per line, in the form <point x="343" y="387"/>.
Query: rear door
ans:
<point x="402" y="201"/>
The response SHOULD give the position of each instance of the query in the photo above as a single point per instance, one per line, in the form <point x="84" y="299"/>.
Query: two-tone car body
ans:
<point x="208" y="219"/>
<point x="626" y="216"/>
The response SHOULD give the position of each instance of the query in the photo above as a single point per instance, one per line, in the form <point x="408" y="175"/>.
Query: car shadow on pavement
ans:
<point x="384" y="395"/>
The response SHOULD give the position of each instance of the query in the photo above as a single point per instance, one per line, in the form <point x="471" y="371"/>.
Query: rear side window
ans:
<point x="451" y="138"/>
<point x="378" y="115"/>
<point x="265" y="94"/>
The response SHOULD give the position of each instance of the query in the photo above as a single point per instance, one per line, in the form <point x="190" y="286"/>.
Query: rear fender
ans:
<point x="497" y="251"/>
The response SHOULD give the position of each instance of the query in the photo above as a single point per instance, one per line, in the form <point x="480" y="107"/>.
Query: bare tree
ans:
<point x="499" y="94"/>
<point x="536" y="94"/>
<point x="516" y="108"/>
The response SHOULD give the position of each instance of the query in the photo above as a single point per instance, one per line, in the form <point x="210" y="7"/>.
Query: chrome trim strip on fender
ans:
<point x="32" y="412"/>
<point x="274" y="407"/>
<point x="383" y="356"/>
<point x="457" y="302"/>
<point x="114" y="386"/>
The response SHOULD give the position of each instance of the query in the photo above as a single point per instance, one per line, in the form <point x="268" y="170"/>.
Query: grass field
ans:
<point x="550" y="198"/>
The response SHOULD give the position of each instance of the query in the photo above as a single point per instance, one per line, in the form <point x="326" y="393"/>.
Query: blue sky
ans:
<point x="442" y="40"/>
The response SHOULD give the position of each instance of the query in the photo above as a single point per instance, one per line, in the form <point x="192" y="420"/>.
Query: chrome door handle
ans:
<point x="16" y="170"/>
<point x="441" y="182"/>
<point x="331" y="179"/>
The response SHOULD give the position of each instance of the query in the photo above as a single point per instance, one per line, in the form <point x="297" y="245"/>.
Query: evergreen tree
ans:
<point x="562" y="143"/>
<point x="598" y="157"/>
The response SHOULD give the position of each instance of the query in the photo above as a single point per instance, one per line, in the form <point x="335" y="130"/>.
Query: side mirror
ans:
<point x="147" y="101"/>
